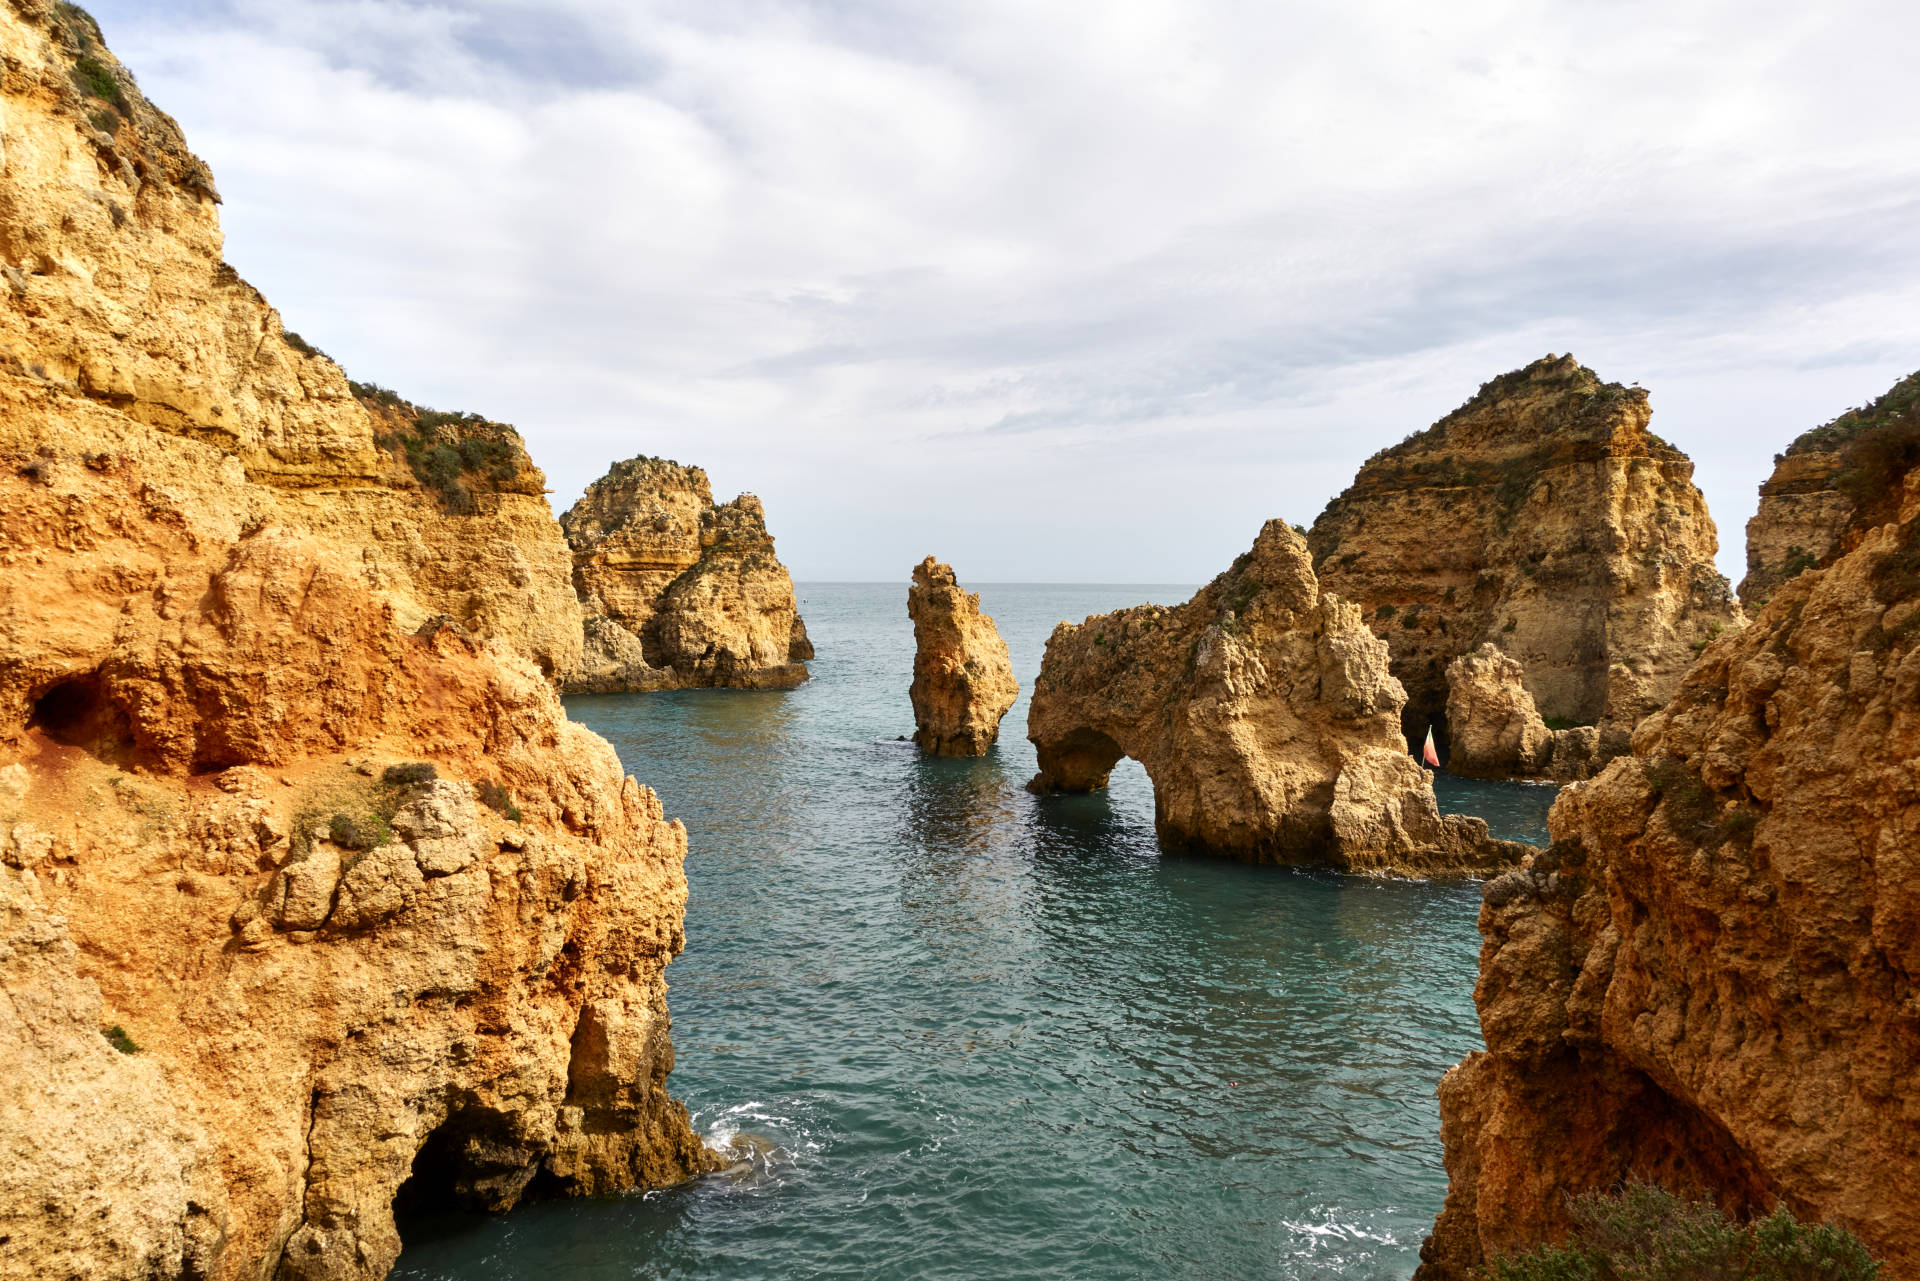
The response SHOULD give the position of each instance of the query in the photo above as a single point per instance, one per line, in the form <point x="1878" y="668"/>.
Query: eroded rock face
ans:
<point x="209" y="655"/>
<point x="1710" y="979"/>
<point x="1264" y="713"/>
<point x="1543" y="516"/>
<point x="679" y="591"/>
<point x="115" y="291"/>
<point x="1497" y="731"/>
<point x="1812" y="500"/>
<point x="962" y="675"/>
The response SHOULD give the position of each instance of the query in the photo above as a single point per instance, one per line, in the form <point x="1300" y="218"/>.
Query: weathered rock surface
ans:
<point x="1264" y="713"/>
<point x="1813" y="498"/>
<point x="963" y="679"/>
<point x="215" y="634"/>
<point x="679" y="591"/>
<point x="1543" y="516"/>
<point x="1497" y="731"/>
<point x="1712" y="977"/>
<point x="115" y="292"/>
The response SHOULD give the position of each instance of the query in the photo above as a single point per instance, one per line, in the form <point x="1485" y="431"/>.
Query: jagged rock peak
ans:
<point x="1266" y="718"/>
<point x="1829" y="487"/>
<point x="1708" y="979"/>
<point x="963" y="680"/>
<point x="679" y="591"/>
<point x="1542" y="516"/>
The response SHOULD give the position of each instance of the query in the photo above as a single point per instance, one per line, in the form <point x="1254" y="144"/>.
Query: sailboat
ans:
<point x="1428" y="754"/>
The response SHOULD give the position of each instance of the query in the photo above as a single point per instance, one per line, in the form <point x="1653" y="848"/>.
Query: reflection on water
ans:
<point x="950" y="1030"/>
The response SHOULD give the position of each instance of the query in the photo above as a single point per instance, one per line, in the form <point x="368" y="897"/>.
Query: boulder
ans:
<point x="963" y="679"/>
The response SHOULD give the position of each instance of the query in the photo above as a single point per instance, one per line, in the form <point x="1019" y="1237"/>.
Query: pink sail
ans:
<point x="1429" y="754"/>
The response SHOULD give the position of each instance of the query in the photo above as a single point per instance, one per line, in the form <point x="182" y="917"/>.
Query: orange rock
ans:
<point x="963" y="679"/>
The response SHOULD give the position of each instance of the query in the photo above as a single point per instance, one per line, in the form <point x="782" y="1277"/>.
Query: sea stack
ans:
<point x="1824" y="487"/>
<point x="1544" y="518"/>
<point x="962" y="675"/>
<point x="1266" y="718"/>
<point x="308" y="886"/>
<point x="678" y="591"/>
<point x="1709" y="978"/>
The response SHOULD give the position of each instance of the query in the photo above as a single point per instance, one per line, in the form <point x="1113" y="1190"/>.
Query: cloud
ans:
<point x="1057" y="292"/>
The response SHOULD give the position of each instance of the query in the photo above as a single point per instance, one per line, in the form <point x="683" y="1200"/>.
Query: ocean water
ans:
<point x="964" y="1032"/>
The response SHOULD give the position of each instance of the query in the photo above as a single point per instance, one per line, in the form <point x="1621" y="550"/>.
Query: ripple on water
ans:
<point x="948" y="1029"/>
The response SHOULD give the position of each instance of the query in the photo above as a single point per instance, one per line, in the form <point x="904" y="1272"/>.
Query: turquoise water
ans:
<point x="983" y="1035"/>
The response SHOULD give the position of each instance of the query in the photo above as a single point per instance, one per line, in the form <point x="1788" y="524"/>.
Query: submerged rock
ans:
<point x="251" y="986"/>
<point x="1266" y="718"/>
<point x="1709" y="979"/>
<point x="679" y="591"/>
<point x="1544" y="517"/>
<point x="1820" y="485"/>
<point x="962" y="675"/>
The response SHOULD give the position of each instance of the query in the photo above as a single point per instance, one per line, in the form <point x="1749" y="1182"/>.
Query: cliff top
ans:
<point x="1896" y="405"/>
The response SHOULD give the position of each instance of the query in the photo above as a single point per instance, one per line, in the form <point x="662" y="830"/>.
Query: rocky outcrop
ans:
<point x="1709" y="980"/>
<point x="1496" y="730"/>
<point x="962" y="675"/>
<point x="1542" y="516"/>
<point x="679" y="591"/>
<point x="1820" y="485"/>
<point x="1264" y="714"/>
<point x="115" y="292"/>
<point x="257" y="978"/>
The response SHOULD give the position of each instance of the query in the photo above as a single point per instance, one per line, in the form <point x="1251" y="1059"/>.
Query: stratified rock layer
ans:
<point x="962" y="674"/>
<point x="1263" y="712"/>
<point x="222" y="617"/>
<point x="1819" y="485"/>
<point x="1543" y="516"/>
<point x="679" y="591"/>
<point x="1712" y="978"/>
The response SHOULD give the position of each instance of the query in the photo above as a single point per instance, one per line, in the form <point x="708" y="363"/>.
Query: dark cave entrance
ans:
<point x="77" y="712"/>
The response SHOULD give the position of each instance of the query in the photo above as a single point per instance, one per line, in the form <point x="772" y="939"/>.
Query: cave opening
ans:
<point x="428" y="1204"/>
<point x="78" y="712"/>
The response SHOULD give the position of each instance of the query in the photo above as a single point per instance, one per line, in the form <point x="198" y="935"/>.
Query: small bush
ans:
<point x="1511" y="624"/>
<point x="498" y="799"/>
<point x="1565" y="722"/>
<point x="92" y="78"/>
<point x="357" y="831"/>
<point x="1648" y="1234"/>
<point x="106" y="120"/>
<point x="117" y="1037"/>
<point x="301" y="345"/>
<point x="412" y="774"/>
<point x="1410" y="620"/>
<point x="1385" y="611"/>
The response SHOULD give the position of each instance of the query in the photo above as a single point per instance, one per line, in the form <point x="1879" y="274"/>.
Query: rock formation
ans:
<point x="678" y="591"/>
<point x="1263" y="712"/>
<point x="1496" y="730"/>
<point x="962" y="675"/>
<point x="256" y="975"/>
<point x="1543" y="516"/>
<point x="1820" y="484"/>
<point x="1709" y="980"/>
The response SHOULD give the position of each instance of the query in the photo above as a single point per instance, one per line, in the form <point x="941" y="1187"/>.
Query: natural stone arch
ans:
<point x="1265" y="717"/>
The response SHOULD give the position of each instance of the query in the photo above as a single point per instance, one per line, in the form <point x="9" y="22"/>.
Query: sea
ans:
<point x="961" y="1031"/>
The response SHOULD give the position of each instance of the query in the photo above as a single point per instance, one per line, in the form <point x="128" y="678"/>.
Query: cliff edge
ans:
<point x="308" y="888"/>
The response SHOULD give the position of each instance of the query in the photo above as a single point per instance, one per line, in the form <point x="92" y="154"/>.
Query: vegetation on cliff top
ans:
<point x="1648" y="1234"/>
<point x="452" y="453"/>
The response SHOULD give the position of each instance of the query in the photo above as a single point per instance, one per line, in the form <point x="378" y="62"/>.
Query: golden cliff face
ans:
<point x="679" y="591"/>
<point x="963" y="679"/>
<point x="1811" y="504"/>
<point x="1263" y="712"/>
<point x="1544" y="518"/>
<point x="1709" y="980"/>
<point x="115" y="293"/>
<point x="218" y="632"/>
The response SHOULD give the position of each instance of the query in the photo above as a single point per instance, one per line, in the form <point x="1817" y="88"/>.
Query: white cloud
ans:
<point x="1060" y="291"/>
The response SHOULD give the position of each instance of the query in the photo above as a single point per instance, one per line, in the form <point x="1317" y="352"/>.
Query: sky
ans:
<point x="1062" y="291"/>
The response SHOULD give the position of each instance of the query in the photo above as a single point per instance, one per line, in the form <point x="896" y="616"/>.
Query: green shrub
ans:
<point x="1648" y="1234"/>
<point x="106" y="120"/>
<point x="117" y="1037"/>
<point x="92" y="78"/>
<point x="301" y="345"/>
<point x="1511" y="624"/>
<point x="1565" y="722"/>
<point x="1385" y="611"/>
<point x="412" y="774"/>
<point x="358" y="831"/>
<point x="497" y="798"/>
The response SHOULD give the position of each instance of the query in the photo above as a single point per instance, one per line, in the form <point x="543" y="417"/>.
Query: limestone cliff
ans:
<point x="1498" y="732"/>
<point x="679" y="591"/>
<point x="1541" y="516"/>
<point x="1264" y="713"/>
<point x="116" y="293"/>
<point x="350" y="897"/>
<point x="1820" y="484"/>
<point x="962" y="675"/>
<point x="1709" y="980"/>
